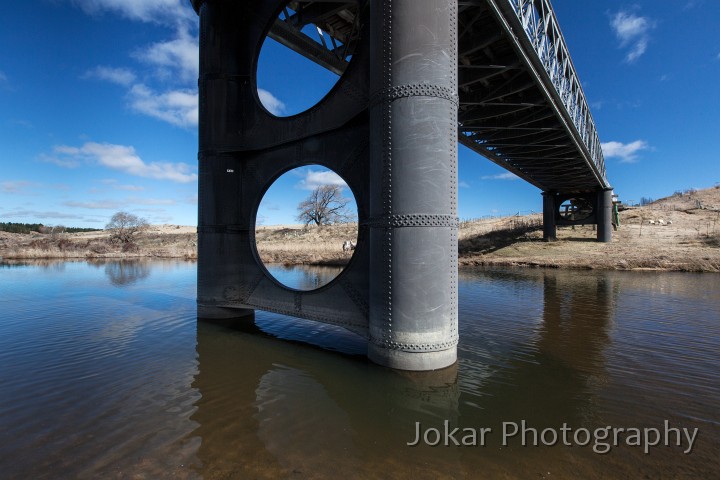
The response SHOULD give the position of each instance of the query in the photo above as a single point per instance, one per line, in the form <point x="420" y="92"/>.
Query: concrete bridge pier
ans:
<point x="413" y="184"/>
<point x="549" y="213"/>
<point x="604" y="215"/>
<point x="223" y="224"/>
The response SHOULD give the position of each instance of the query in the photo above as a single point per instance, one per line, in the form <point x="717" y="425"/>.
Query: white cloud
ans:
<point x="180" y="53"/>
<point x="501" y="176"/>
<point x="131" y="188"/>
<point x="463" y="185"/>
<point x="16" y="186"/>
<point x="5" y="82"/>
<point x="627" y="153"/>
<point x="22" y="123"/>
<point x="60" y="162"/>
<point x="633" y="32"/>
<point x="156" y="11"/>
<point x="120" y="76"/>
<point x="97" y="205"/>
<point x="314" y="179"/>
<point x="150" y="201"/>
<point x="272" y="103"/>
<point x="124" y="159"/>
<point x="174" y="62"/>
<point x="116" y="204"/>
<point x="177" y="107"/>
<point x="38" y="214"/>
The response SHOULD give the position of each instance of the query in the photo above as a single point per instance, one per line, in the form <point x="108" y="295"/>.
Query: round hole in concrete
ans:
<point x="307" y="49"/>
<point x="306" y="227"/>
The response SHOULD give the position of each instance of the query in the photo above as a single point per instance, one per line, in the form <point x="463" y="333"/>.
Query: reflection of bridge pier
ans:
<point x="577" y="314"/>
<point x="268" y="408"/>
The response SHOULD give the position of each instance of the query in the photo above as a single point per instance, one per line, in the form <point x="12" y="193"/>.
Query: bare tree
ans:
<point x="324" y="206"/>
<point x="124" y="226"/>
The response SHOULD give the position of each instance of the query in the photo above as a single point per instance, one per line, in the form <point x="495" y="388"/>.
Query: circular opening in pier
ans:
<point x="307" y="49"/>
<point x="306" y="227"/>
<point x="576" y="209"/>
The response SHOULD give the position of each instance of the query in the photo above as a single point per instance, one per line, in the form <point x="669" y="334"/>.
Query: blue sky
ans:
<point x="98" y="108"/>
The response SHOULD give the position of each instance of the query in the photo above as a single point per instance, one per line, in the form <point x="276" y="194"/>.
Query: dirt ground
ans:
<point x="680" y="232"/>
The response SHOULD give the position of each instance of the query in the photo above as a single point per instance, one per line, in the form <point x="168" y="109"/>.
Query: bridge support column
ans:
<point x="604" y="215"/>
<point x="413" y="184"/>
<point x="223" y="227"/>
<point x="549" y="212"/>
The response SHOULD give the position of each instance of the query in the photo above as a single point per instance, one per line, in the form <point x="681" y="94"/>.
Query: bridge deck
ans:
<point x="511" y="110"/>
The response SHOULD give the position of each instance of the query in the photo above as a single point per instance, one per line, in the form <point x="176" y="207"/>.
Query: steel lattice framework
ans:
<point x="541" y="27"/>
<point x="521" y="103"/>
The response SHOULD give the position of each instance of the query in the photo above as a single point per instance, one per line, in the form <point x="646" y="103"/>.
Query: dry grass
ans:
<point x="687" y="239"/>
<point x="94" y="246"/>
<point x="683" y="236"/>
<point x="298" y="245"/>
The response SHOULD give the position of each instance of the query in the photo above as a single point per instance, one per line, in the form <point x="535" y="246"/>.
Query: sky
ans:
<point x="98" y="109"/>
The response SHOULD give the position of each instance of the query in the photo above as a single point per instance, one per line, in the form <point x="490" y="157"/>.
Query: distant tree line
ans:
<point x="40" y="228"/>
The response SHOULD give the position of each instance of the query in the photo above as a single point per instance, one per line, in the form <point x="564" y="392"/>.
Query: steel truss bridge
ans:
<point x="416" y="77"/>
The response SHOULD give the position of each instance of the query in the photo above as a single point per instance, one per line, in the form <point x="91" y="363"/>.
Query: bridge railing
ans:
<point x="541" y="26"/>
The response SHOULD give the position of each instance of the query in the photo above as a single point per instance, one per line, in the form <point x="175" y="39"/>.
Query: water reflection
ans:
<point x="577" y="315"/>
<point x="47" y="265"/>
<point x="299" y="410"/>
<point x="306" y="277"/>
<point x="294" y="409"/>
<point x="126" y="272"/>
<point x="106" y="381"/>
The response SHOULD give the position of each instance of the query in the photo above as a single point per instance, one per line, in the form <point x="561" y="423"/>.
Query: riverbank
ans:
<point x="158" y="241"/>
<point x="677" y="233"/>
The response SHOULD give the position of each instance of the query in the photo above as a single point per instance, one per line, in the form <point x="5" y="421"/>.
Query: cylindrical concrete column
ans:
<point x="604" y="215"/>
<point x="413" y="184"/>
<point x="222" y="227"/>
<point x="549" y="212"/>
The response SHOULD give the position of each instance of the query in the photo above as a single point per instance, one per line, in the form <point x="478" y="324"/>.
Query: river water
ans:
<point x="105" y="373"/>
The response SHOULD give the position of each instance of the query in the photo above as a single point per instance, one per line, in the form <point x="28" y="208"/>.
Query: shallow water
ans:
<point x="105" y="373"/>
